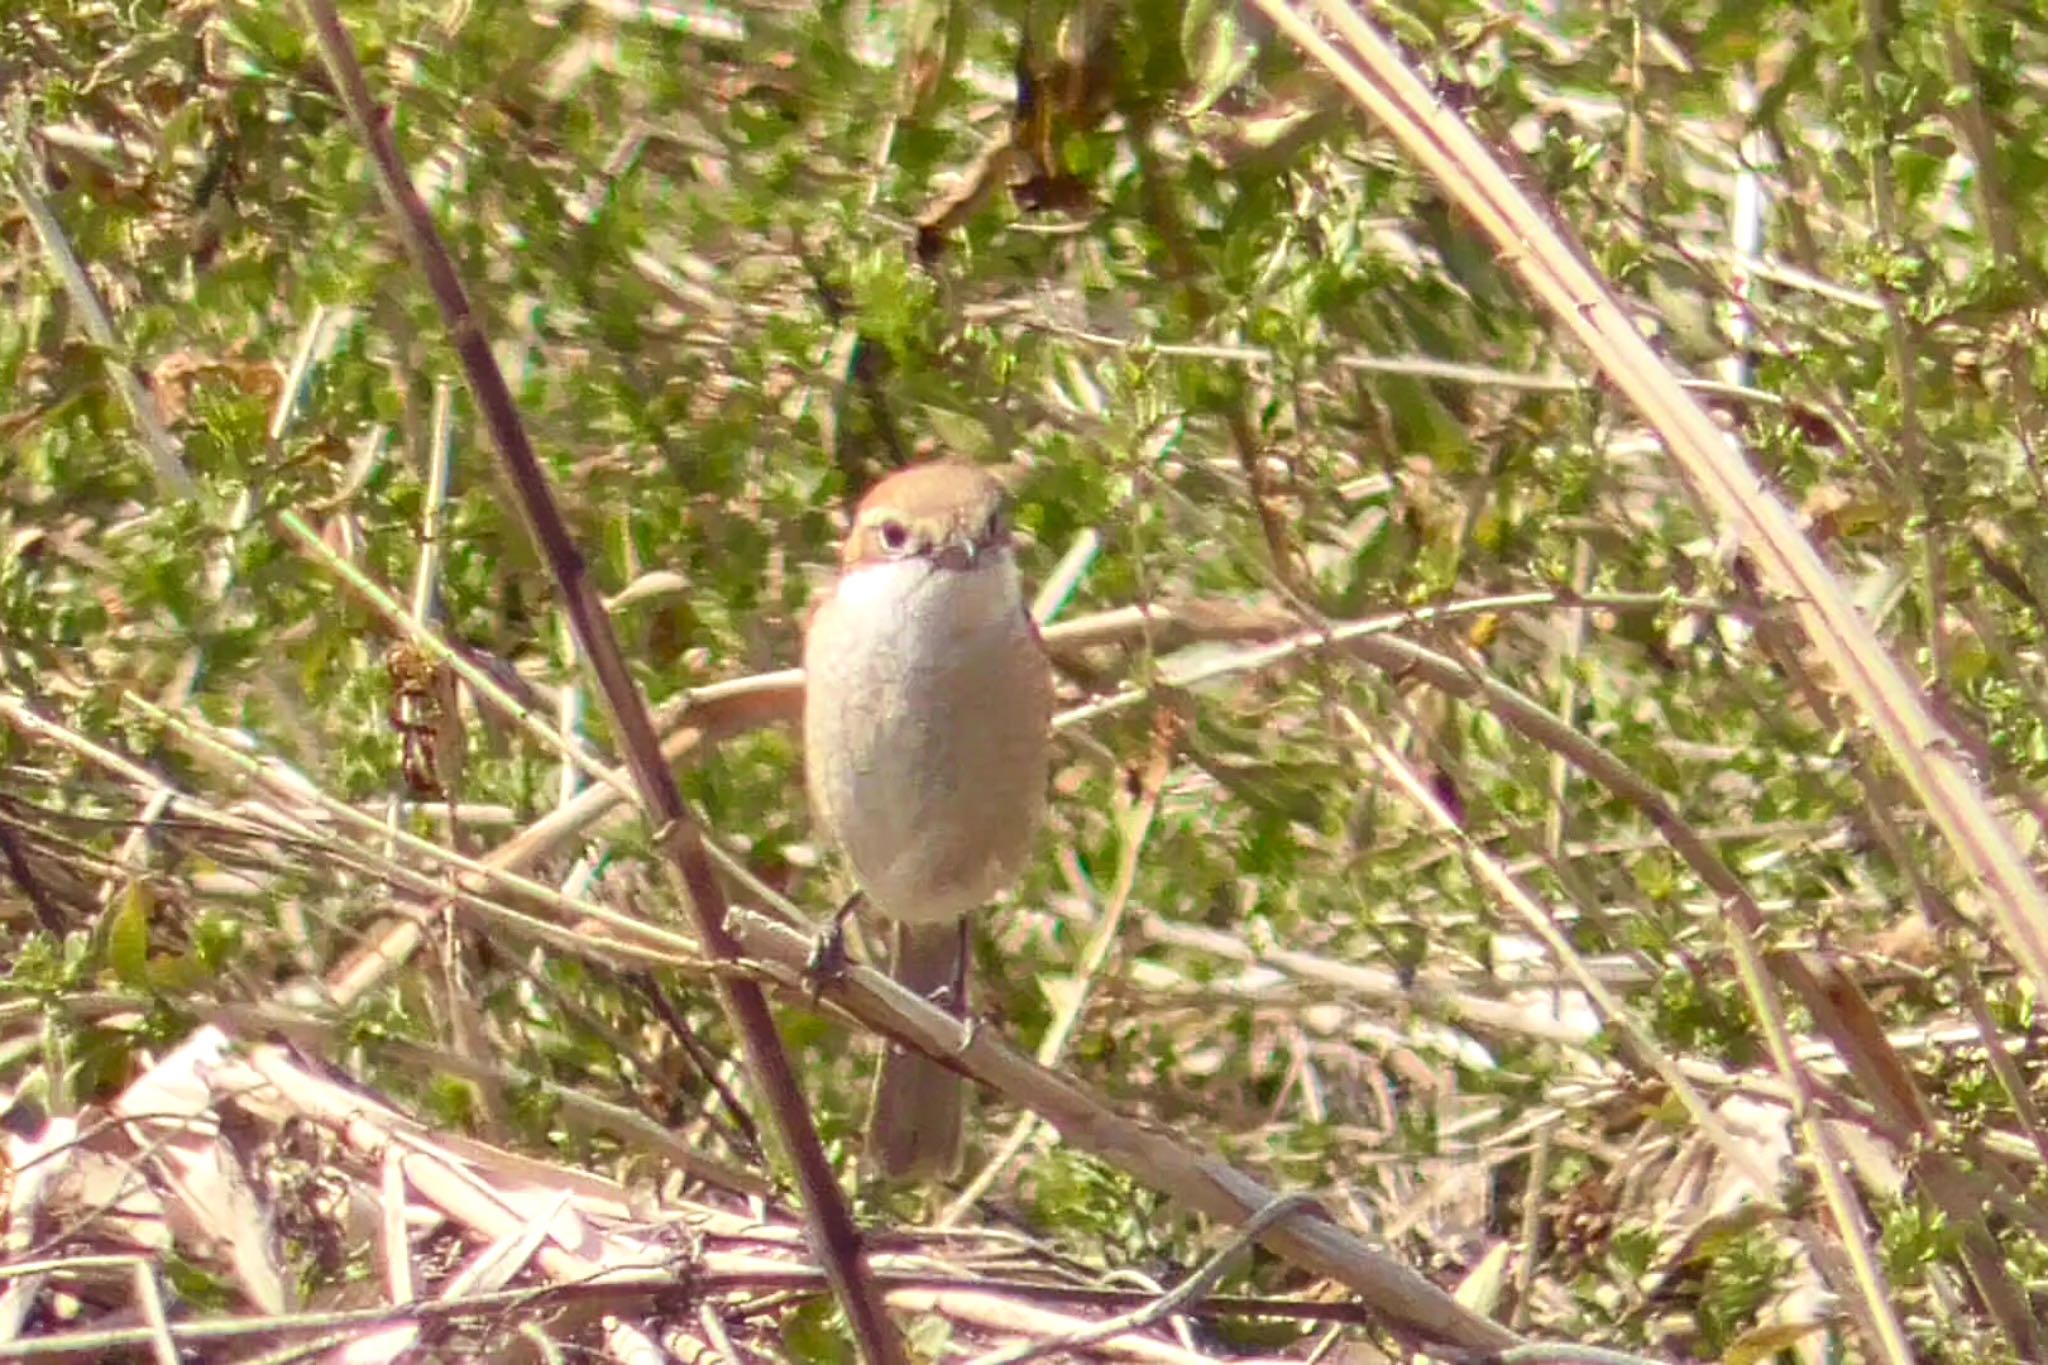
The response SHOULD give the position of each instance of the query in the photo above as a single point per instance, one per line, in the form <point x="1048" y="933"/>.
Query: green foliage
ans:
<point x="1743" y="1272"/>
<point x="1098" y="1205"/>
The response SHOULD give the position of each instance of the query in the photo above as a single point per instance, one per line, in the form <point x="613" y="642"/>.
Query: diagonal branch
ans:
<point x="829" y="1224"/>
<point x="1556" y="270"/>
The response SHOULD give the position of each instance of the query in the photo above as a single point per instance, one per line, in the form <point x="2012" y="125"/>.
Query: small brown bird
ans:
<point x="927" y="702"/>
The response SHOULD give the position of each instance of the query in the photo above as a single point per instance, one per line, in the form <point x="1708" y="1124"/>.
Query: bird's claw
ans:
<point x="827" y="962"/>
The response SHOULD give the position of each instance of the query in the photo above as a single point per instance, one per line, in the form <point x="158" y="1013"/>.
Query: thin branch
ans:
<point x="1149" y="1152"/>
<point x="1717" y="469"/>
<point x="834" y="1237"/>
<point x="166" y="454"/>
<point x="1191" y="1290"/>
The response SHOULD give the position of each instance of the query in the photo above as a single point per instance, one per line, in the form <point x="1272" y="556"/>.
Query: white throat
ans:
<point x="989" y="592"/>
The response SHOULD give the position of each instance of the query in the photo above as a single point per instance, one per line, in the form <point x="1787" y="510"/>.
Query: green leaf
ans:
<point x="127" y="935"/>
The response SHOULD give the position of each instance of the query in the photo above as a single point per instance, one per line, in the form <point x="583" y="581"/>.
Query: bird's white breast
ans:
<point x="927" y="702"/>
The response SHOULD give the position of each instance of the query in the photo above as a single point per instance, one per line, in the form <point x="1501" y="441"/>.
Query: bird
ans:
<point x="927" y="708"/>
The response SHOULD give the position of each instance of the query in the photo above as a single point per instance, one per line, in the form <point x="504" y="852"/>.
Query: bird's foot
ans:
<point x="827" y="962"/>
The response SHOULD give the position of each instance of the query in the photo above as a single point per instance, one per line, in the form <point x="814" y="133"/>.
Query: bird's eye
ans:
<point x="895" y="536"/>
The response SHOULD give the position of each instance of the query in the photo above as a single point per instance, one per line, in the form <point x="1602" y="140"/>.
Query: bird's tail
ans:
<point x="914" y="1129"/>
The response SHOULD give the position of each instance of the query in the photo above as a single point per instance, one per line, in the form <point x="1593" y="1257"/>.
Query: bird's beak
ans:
<point x="960" y="553"/>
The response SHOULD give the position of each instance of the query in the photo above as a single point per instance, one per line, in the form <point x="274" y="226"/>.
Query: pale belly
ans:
<point x="926" y="736"/>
